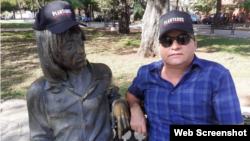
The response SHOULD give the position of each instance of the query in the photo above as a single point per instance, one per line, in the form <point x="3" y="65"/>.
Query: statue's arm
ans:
<point x="120" y="110"/>
<point x="39" y="125"/>
<point x="114" y="94"/>
<point x="118" y="105"/>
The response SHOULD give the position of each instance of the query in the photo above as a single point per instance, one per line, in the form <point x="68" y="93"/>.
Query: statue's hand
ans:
<point x="122" y="117"/>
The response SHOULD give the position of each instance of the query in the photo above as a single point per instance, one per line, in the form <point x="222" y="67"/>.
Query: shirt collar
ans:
<point x="95" y="73"/>
<point x="158" y="65"/>
<point x="197" y="62"/>
<point x="67" y="84"/>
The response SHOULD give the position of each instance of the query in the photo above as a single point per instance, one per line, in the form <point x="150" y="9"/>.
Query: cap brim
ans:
<point x="173" y="28"/>
<point x="61" y="27"/>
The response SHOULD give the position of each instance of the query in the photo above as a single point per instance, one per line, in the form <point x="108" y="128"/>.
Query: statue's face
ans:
<point x="73" y="53"/>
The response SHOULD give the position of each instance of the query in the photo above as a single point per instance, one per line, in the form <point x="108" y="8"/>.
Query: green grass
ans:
<point x="16" y="25"/>
<point x="223" y="44"/>
<point x="233" y="53"/>
<point x="20" y="64"/>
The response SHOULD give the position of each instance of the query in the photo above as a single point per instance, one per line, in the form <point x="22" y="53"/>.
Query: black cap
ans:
<point x="57" y="17"/>
<point x="177" y="20"/>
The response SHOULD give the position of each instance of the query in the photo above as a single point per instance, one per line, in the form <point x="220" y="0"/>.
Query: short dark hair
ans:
<point x="49" y="51"/>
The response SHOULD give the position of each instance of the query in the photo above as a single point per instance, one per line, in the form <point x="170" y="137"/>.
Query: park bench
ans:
<point x="222" y="25"/>
<point x="28" y="19"/>
<point x="109" y="22"/>
<point x="133" y="136"/>
<point x="246" y="118"/>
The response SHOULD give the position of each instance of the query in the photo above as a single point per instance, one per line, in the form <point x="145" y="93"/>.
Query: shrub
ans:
<point x="139" y="15"/>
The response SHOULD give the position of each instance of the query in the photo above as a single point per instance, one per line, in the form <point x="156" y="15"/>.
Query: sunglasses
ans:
<point x="181" y="39"/>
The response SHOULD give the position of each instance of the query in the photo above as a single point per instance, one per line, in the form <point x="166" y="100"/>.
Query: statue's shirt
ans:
<point x="68" y="116"/>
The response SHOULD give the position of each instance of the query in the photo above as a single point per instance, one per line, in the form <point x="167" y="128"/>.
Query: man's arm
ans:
<point x="225" y="100"/>
<point x="138" y="121"/>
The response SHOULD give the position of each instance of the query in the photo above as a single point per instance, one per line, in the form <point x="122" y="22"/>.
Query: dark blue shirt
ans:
<point x="204" y="95"/>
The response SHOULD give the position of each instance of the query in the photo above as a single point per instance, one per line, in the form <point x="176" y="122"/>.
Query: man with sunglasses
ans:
<point x="181" y="88"/>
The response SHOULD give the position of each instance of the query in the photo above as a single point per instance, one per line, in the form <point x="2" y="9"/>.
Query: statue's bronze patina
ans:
<point x="75" y="100"/>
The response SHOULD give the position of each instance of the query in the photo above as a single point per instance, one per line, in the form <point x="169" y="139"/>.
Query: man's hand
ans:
<point x="122" y="117"/>
<point x="138" y="121"/>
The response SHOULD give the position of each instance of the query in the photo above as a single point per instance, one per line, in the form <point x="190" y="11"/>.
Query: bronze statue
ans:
<point x="75" y="100"/>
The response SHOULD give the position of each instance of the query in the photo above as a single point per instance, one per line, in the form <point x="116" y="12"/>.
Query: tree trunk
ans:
<point x="143" y="4"/>
<point x="79" y="13"/>
<point x="123" y="23"/>
<point x="150" y="29"/>
<point x="33" y="9"/>
<point x="14" y="14"/>
<point x="38" y="4"/>
<point x="18" y="2"/>
<point x="247" y="15"/>
<point x="218" y="10"/>
<point x="124" y="18"/>
<point x="90" y="14"/>
<point x="177" y="5"/>
<point x="105" y="18"/>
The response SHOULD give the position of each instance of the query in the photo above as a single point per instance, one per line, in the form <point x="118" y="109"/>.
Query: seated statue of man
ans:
<point x="75" y="100"/>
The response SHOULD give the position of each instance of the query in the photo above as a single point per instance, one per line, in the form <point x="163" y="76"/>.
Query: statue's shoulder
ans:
<point x="36" y="89"/>
<point x="100" y="68"/>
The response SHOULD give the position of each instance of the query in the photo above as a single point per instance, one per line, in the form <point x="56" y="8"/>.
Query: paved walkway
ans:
<point x="15" y="126"/>
<point x="239" y="32"/>
<point x="14" y="120"/>
<point x="199" y="29"/>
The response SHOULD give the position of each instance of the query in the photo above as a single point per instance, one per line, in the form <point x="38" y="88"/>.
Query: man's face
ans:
<point x="176" y="54"/>
<point x="73" y="53"/>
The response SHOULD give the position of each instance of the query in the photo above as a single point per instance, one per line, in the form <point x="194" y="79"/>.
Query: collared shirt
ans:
<point x="204" y="95"/>
<point x="68" y="116"/>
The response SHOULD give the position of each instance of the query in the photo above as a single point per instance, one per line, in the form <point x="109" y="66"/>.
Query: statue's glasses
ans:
<point x="182" y="39"/>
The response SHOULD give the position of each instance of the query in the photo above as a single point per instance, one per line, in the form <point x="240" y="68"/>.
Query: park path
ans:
<point x="14" y="120"/>
<point x="15" y="125"/>
<point x="199" y="29"/>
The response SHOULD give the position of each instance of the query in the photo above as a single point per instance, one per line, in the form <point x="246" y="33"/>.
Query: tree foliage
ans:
<point x="230" y="8"/>
<point x="139" y="15"/>
<point x="105" y="5"/>
<point x="77" y="4"/>
<point x="204" y="6"/>
<point x="9" y="5"/>
<point x="143" y="3"/>
<point x="246" y="6"/>
<point x="33" y="5"/>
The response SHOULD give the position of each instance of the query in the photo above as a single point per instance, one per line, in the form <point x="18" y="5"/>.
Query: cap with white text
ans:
<point x="175" y="20"/>
<point x="56" y="16"/>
